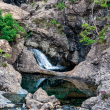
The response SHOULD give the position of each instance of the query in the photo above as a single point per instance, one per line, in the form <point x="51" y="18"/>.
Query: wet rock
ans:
<point x="4" y="102"/>
<point x="27" y="63"/>
<point x="10" y="105"/>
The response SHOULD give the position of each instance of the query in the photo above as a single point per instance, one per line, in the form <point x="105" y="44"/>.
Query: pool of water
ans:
<point x="17" y="99"/>
<point x="67" y="91"/>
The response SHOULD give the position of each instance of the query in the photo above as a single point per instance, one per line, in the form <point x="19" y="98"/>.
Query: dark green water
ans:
<point x="16" y="99"/>
<point x="65" y="90"/>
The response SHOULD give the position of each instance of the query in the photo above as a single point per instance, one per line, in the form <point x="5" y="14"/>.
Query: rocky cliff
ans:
<point x="56" y="32"/>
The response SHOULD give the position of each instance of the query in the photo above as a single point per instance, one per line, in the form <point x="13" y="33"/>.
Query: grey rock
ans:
<point x="41" y="95"/>
<point x="31" y="103"/>
<point x="40" y="100"/>
<point x="47" y="106"/>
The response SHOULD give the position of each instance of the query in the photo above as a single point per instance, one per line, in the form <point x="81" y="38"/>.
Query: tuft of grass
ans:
<point x="4" y="64"/>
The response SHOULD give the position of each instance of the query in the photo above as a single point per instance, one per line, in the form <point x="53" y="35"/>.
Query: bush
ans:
<point x="9" y="27"/>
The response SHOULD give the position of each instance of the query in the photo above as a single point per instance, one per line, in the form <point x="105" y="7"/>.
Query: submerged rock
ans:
<point x="4" y="102"/>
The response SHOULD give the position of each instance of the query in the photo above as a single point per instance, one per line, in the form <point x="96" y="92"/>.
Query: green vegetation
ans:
<point x="58" y="26"/>
<point x="48" y="24"/>
<point x="88" y="30"/>
<point x="61" y="5"/>
<point x="105" y="95"/>
<point x="4" y="55"/>
<point x="73" y="18"/>
<point x="103" y="3"/>
<point x="33" y="4"/>
<point x="9" y="28"/>
<point x="4" y="64"/>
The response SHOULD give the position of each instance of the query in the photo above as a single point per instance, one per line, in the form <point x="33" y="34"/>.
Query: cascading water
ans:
<point x="44" y="63"/>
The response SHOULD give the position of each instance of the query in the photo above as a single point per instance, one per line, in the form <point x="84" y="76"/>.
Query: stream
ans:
<point x="70" y="92"/>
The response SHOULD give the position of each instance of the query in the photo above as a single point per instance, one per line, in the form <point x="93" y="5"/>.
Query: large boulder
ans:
<point x="40" y="100"/>
<point x="16" y="12"/>
<point x="10" y="79"/>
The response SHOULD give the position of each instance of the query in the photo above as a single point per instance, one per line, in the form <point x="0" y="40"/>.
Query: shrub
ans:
<point x="87" y="29"/>
<point x="9" y="27"/>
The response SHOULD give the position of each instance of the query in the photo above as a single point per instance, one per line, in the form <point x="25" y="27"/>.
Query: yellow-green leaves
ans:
<point x="86" y="32"/>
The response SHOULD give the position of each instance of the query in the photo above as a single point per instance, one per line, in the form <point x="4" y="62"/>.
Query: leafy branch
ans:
<point x="87" y="30"/>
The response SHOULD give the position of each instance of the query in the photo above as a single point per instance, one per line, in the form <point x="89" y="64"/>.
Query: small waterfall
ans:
<point x="43" y="61"/>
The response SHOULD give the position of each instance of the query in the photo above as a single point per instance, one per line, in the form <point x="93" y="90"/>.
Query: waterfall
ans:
<point x="44" y="62"/>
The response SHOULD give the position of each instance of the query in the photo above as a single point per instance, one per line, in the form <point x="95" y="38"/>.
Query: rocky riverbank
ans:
<point x="56" y="34"/>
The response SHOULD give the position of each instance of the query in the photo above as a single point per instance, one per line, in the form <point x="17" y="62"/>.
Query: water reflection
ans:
<point x="68" y="91"/>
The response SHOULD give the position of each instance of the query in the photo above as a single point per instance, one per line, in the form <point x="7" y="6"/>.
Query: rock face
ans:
<point x="4" y="45"/>
<point x="17" y="12"/>
<point x="40" y="100"/>
<point x="16" y="50"/>
<point x="96" y="68"/>
<point x="27" y="63"/>
<point x="10" y="79"/>
<point x="56" y="32"/>
<point x="59" y="40"/>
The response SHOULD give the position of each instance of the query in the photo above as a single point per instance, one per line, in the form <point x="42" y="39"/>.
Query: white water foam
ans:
<point x="44" y="62"/>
